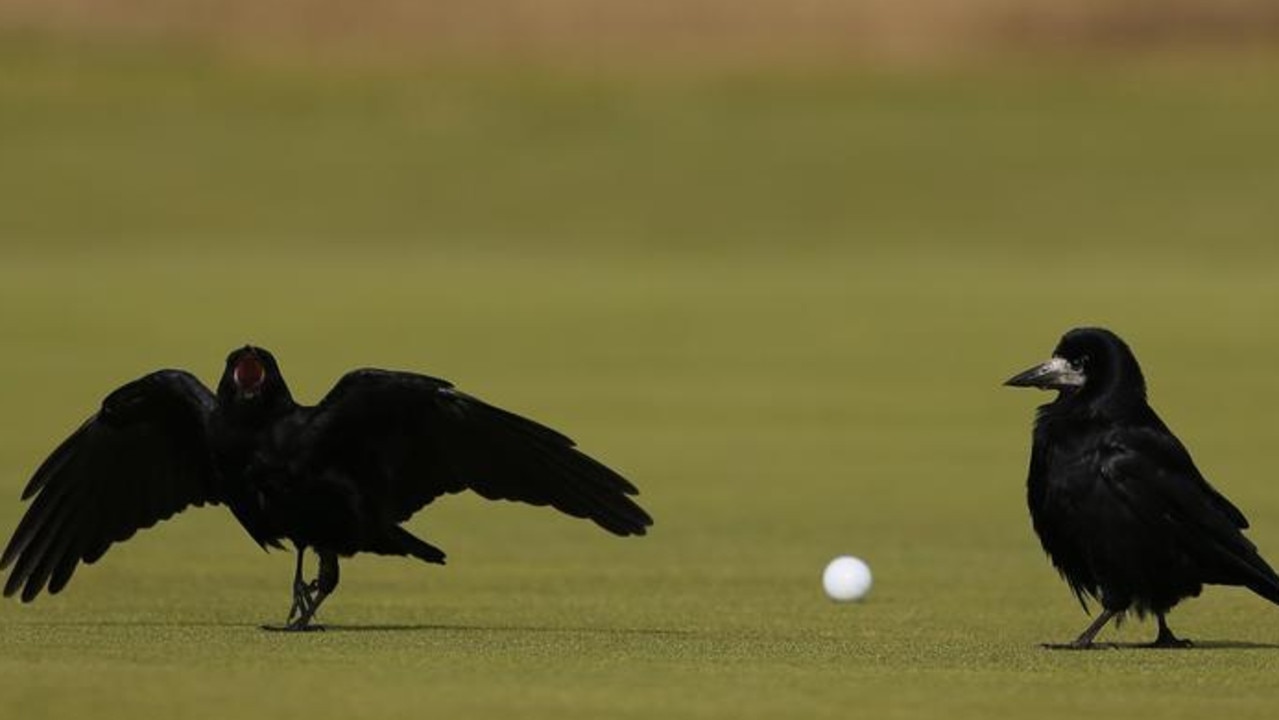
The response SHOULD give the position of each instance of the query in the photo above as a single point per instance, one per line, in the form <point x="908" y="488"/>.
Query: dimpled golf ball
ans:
<point x="846" y="579"/>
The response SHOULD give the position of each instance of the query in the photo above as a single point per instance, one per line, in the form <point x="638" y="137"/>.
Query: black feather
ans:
<point x="140" y="459"/>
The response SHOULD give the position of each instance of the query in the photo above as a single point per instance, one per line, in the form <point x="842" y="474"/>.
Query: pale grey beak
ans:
<point x="1056" y="374"/>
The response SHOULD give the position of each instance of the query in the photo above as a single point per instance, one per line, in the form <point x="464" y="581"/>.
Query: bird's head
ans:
<point x="1088" y="363"/>
<point x="252" y="378"/>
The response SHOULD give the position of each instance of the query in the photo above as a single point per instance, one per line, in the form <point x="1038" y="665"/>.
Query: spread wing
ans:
<point x="407" y="439"/>
<point x="1153" y="475"/>
<point x="140" y="459"/>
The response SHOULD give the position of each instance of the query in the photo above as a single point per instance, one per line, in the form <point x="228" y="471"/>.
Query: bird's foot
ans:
<point x="303" y="624"/>
<point x="299" y="620"/>
<point x="1166" y="639"/>
<point x="304" y="604"/>
<point x="1170" y="642"/>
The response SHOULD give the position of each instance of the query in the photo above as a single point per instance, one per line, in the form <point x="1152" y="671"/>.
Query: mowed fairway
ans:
<point x="782" y="304"/>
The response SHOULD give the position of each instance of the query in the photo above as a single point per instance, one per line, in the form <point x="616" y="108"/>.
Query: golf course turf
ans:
<point x="781" y="304"/>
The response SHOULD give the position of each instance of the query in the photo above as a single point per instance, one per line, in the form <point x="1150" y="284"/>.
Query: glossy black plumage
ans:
<point x="1115" y="498"/>
<point x="338" y="477"/>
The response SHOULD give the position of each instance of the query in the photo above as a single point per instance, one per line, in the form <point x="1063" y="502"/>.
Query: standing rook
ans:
<point x="1115" y="498"/>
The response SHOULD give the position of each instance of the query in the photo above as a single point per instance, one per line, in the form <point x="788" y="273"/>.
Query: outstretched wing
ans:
<point x="137" y="461"/>
<point x="1152" y="473"/>
<point x="407" y="439"/>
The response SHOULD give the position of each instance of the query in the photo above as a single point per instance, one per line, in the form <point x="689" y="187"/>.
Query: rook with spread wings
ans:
<point x="338" y="477"/>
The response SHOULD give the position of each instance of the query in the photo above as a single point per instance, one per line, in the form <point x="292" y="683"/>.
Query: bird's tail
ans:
<point x="1257" y="574"/>
<point x="401" y="542"/>
<point x="1266" y="586"/>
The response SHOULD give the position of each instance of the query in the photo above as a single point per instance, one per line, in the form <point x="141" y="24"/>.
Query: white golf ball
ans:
<point x="846" y="579"/>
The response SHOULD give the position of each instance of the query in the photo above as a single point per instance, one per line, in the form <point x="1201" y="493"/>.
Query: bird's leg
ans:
<point x="1166" y="639"/>
<point x="303" y="600"/>
<point x="327" y="581"/>
<point x="323" y="586"/>
<point x="1085" y="638"/>
<point x="1084" y="641"/>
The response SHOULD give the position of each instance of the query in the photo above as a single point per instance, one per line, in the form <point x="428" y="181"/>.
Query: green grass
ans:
<point x="783" y="304"/>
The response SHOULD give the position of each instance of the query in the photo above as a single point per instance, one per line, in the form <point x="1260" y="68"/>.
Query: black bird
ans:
<point x="1115" y="498"/>
<point x="338" y="477"/>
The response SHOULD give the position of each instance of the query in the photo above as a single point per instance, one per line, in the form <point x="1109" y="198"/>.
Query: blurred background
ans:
<point x="772" y="259"/>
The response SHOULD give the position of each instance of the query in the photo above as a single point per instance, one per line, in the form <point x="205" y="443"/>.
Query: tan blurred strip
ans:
<point x="654" y="29"/>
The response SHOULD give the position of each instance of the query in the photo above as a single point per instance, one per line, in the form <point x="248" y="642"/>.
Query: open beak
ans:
<point x="249" y="374"/>
<point x="1056" y="374"/>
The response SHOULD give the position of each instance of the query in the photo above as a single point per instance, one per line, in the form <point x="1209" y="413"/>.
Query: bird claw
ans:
<point x="304" y="603"/>
<point x="1171" y="643"/>
<point x="303" y="624"/>
<point x="304" y="607"/>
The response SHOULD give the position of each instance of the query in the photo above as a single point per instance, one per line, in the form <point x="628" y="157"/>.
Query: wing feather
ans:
<point x="417" y="437"/>
<point x="1157" y="480"/>
<point x="140" y="459"/>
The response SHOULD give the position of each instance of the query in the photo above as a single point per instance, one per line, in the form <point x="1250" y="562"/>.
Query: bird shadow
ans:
<point x="321" y="629"/>
<point x="175" y="624"/>
<point x="445" y="627"/>
<point x="1195" y="645"/>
